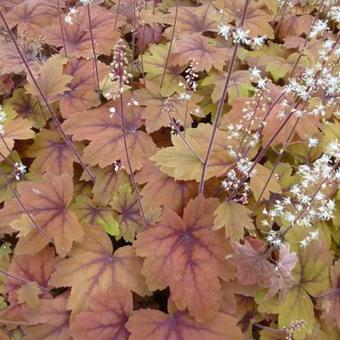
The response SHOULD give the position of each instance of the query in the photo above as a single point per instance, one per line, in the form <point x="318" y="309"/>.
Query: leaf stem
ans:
<point x="16" y="196"/>
<point x="117" y="13"/>
<point x="48" y="106"/>
<point x="93" y="49"/>
<point x="221" y="105"/>
<point x="171" y="43"/>
<point x="61" y="27"/>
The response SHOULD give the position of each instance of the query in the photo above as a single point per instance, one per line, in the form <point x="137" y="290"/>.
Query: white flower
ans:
<point x="241" y="36"/>
<point x="334" y="13"/>
<point x="259" y="41"/>
<point x="255" y="72"/>
<point x="312" y="142"/>
<point x="86" y="2"/>
<point x="68" y="19"/>
<point x="112" y="111"/>
<point x="224" y="30"/>
<point x="2" y="130"/>
<point x="318" y="28"/>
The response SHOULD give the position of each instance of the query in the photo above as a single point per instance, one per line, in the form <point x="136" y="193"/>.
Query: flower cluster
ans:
<point x="70" y="16"/>
<point x="19" y="171"/>
<point x="293" y="327"/>
<point x="2" y="121"/>
<point x="241" y="36"/>
<point x="118" y="66"/>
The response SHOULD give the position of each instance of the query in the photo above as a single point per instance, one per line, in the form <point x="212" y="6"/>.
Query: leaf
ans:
<point x="106" y="136"/>
<point x="283" y="279"/>
<point x="234" y="217"/>
<point x="31" y="16"/>
<point x="295" y="307"/>
<point x="331" y="301"/>
<point x="15" y="129"/>
<point x="312" y="277"/>
<point x="28" y="107"/>
<point x="91" y="268"/>
<point x="125" y="204"/>
<point x="50" y="319"/>
<point x="258" y="181"/>
<point x="51" y="154"/>
<point x="193" y="19"/>
<point x="106" y="318"/>
<point x="107" y="182"/>
<point x="110" y="225"/>
<point x="50" y="79"/>
<point x="34" y="270"/>
<point x="161" y="190"/>
<point x="153" y="107"/>
<point x="154" y="62"/>
<point x="239" y="84"/>
<point x="256" y="20"/>
<point x="29" y="293"/>
<point x="182" y="254"/>
<point x="252" y="267"/>
<point x="81" y="94"/>
<point x="196" y="47"/>
<point x="178" y="161"/>
<point x="77" y="36"/>
<point x="48" y="203"/>
<point x="293" y="25"/>
<point x="148" y="324"/>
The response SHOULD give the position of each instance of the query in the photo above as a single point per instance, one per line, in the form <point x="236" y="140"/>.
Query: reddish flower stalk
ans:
<point x="61" y="27"/>
<point x="47" y="104"/>
<point x="23" y="281"/>
<point x="171" y="43"/>
<point x="93" y="49"/>
<point x="17" y="198"/>
<point x="117" y="12"/>
<point x="221" y="105"/>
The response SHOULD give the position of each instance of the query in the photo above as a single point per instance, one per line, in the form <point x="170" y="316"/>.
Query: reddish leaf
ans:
<point x="48" y="203"/>
<point x="92" y="268"/>
<point x="148" y="324"/>
<point x="182" y="254"/>
<point x="107" y="182"/>
<point x="50" y="319"/>
<point x="193" y="19"/>
<point x="81" y="95"/>
<point x="252" y="267"/>
<point x="106" y="136"/>
<point x="33" y="268"/>
<point x="51" y="154"/>
<point x="31" y="16"/>
<point x="196" y="47"/>
<point x="77" y="36"/>
<point x="154" y="113"/>
<point x="106" y="318"/>
<point x="15" y="129"/>
<point x="293" y="25"/>
<point x="161" y="190"/>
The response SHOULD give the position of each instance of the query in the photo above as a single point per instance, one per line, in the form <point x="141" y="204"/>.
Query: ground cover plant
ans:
<point x="169" y="169"/>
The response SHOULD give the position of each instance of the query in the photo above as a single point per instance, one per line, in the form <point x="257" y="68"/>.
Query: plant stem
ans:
<point x="93" y="49"/>
<point x="221" y="106"/>
<point x="171" y="42"/>
<point x="16" y="196"/>
<point x="116" y="17"/>
<point x="23" y="281"/>
<point x="61" y="27"/>
<point x="47" y="104"/>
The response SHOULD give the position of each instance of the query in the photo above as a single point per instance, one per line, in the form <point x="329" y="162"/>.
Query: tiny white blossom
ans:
<point x="241" y="36"/>
<point x="258" y="41"/>
<point x="224" y="31"/>
<point x="312" y="142"/>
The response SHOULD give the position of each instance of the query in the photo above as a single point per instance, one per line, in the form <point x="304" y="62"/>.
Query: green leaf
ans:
<point x="110" y="224"/>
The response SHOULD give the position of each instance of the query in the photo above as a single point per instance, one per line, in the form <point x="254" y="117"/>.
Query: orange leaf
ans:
<point x="106" y="318"/>
<point x="48" y="203"/>
<point x="196" y="47"/>
<point x="293" y="25"/>
<point x="92" y="268"/>
<point x="77" y="36"/>
<point x="106" y="136"/>
<point x="33" y="268"/>
<point x="161" y="190"/>
<point x="81" y="94"/>
<point x="187" y="256"/>
<point x="51" y="154"/>
<point x="50" y="319"/>
<point x="148" y="324"/>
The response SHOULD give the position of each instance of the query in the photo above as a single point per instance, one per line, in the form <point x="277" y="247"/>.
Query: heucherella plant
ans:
<point x="169" y="169"/>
